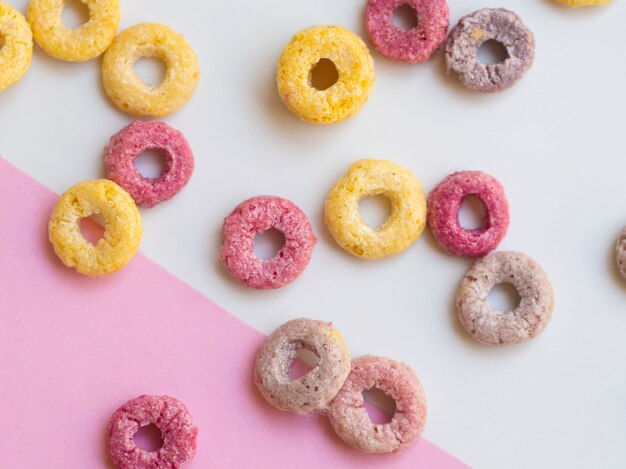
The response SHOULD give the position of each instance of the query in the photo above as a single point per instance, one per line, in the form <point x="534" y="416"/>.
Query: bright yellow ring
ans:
<point x="122" y="227"/>
<point x="127" y="90"/>
<point x="354" y="65"/>
<point x="367" y="178"/>
<point x="74" y="45"/>
<point x="17" y="46"/>
<point x="583" y="3"/>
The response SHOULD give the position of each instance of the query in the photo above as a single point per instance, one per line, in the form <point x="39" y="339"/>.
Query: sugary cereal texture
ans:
<point x="122" y="227"/>
<point x="583" y="3"/>
<point x="17" y="46"/>
<point x="472" y="31"/>
<point x="134" y="139"/>
<point x="350" y="419"/>
<point x="491" y="326"/>
<point x="179" y="434"/>
<point x="354" y="65"/>
<point x="620" y="252"/>
<point x="444" y="203"/>
<point x="313" y="391"/>
<point x="257" y="215"/>
<point x="367" y="178"/>
<point x="413" y="46"/>
<point x="74" y="45"/>
<point x="126" y="89"/>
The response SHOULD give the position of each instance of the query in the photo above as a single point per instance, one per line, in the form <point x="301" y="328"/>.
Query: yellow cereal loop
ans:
<point x="74" y="45"/>
<point x="122" y="231"/>
<point x="127" y="90"/>
<point x="367" y="178"/>
<point x="354" y="68"/>
<point x="17" y="46"/>
<point x="583" y="3"/>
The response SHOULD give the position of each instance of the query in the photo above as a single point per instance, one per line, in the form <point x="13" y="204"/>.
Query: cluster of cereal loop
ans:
<point x="334" y="387"/>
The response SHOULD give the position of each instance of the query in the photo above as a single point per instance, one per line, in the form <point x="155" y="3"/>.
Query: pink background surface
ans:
<point x="73" y="349"/>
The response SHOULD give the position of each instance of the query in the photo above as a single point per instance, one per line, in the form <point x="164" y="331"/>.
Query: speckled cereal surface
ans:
<point x="620" y="252"/>
<point x="472" y="31"/>
<point x="367" y="178"/>
<point x="74" y="45"/>
<point x="444" y="203"/>
<point x="133" y="140"/>
<point x="493" y="327"/>
<point x="257" y="215"/>
<point x="583" y="3"/>
<point x="122" y="227"/>
<point x="171" y="417"/>
<point x="313" y="391"/>
<point x="354" y="65"/>
<point x="413" y="46"/>
<point x="17" y="46"/>
<point x="124" y="86"/>
<point x="351" y="421"/>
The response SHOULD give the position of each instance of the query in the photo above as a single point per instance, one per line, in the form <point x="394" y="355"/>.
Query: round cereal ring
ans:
<point x="444" y="202"/>
<point x="367" y="178"/>
<point x="620" y="252"/>
<point x="494" y="327"/>
<point x="583" y="3"/>
<point x="122" y="231"/>
<point x="313" y="391"/>
<point x="352" y="61"/>
<point x="351" y="421"/>
<point x="127" y="90"/>
<point x="138" y="137"/>
<point x="74" y="45"/>
<point x="472" y="31"/>
<point x="170" y="416"/>
<point x="257" y="215"/>
<point x="413" y="46"/>
<point x="16" y="41"/>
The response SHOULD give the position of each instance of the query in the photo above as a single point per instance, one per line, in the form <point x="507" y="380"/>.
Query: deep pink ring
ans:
<point x="138" y="137"/>
<point x="171" y="417"/>
<point x="257" y="215"/>
<point x="414" y="46"/>
<point x="444" y="202"/>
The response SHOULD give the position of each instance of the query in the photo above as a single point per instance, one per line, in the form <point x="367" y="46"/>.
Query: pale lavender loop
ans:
<point x="170" y="416"/>
<point x="257" y="215"/>
<point x="351" y="421"/>
<point x="620" y="252"/>
<point x="138" y="137"/>
<point x="414" y="46"/>
<point x="444" y="203"/>
<point x="472" y="31"/>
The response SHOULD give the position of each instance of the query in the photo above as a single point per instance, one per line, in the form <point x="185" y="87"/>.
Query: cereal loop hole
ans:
<point x="379" y="406"/>
<point x="305" y="361"/>
<point x="150" y="163"/>
<point x="492" y="52"/>
<point x="323" y="74"/>
<point x="405" y="17"/>
<point x="75" y="14"/>
<point x="504" y="297"/>
<point x="150" y="70"/>
<point x="268" y="243"/>
<point x="149" y="438"/>
<point x="472" y="213"/>
<point x="375" y="210"/>
<point x="92" y="228"/>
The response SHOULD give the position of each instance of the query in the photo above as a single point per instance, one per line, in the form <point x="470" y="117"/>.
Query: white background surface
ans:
<point x="555" y="141"/>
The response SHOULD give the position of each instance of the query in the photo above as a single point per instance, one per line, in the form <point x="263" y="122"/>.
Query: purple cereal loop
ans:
<point x="138" y="137"/>
<point x="620" y="252"/>
<point x="414" y="46"/>
<point x="444" y="202"/>
<point x="170" y="416"/>
<point x="350" y="419"/>
<point x="257" y="215"/>
<point x="472" y="31"/>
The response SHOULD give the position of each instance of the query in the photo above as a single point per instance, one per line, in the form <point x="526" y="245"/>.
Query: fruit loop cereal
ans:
<point x="127" y="90"/>
<point x="413" y="46"/>
<point x="367" y="178"/>
<point x="444" y="202"/>
<point x="351" y="421"/>
<point x="138" y="137"/>
<point x="620" y="252"/>
<point x="354" y="67"/>
<point x="122" y="227"/>
<point x="74" y="45"/>
<point x="472" y="31"/>
<point x="17" y="46"/>
<point x="257" y="215"/>
<point x="493" y="327"/>
<point x="170" y="416"/>
<point x="583" y="3"/>
<point x="313" y="391"/>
